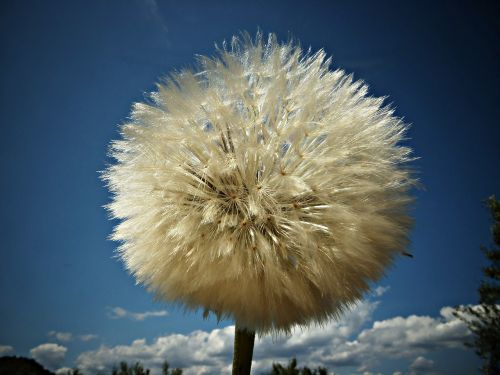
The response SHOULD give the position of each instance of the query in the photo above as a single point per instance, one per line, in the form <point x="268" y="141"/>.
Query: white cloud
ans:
<point x="199" y="350"/>
<point x="88" y="337"/>
<point x="119" y="312"/>
<point x="4" y="349"/>
<point x="49" y="355"/>
<point x="210" y="352"/>
<point x="399" y="338"/>
<point x="422" y="366"/>
<point x="61" y="336"/>
<point x="421" y="363"/>
<point x="348" y="342"/>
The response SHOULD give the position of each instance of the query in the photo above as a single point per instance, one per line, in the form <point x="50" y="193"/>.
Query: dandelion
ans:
<point x="263" y="187"/>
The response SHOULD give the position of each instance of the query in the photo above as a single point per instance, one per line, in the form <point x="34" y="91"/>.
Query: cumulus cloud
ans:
<point x="4" y="349"/>
<point x="399" y="338"/>
<point x="119" y="312"/>
<point x="423" y="366"/>
<point x="61" y="336"/>
<point x="352" y="342"/>
<point x="49" y="355"/>
<point x="202" y="352"/>
<point x="421" y="363"/>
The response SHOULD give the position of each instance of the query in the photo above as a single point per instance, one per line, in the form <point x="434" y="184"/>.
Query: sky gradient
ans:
<point x="69" y="74"/>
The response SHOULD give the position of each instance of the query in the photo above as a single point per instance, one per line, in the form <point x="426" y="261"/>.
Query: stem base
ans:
<point x="243" y="351"/>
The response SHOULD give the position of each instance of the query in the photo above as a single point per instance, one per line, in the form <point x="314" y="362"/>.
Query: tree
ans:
<point x="166" y="369"/>
<point x="125" y="369"/>
<point x="10" y="365"/>
<point x="292" y="369"/>
<point x="484" y="320"/>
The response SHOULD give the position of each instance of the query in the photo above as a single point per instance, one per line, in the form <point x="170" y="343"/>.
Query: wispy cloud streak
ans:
<point x="119" y="312"/>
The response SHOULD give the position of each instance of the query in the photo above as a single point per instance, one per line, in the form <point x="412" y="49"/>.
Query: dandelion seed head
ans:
<point x="263" y="187"/>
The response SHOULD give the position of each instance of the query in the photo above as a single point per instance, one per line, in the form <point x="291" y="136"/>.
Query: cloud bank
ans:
<point x="351" y="342"/>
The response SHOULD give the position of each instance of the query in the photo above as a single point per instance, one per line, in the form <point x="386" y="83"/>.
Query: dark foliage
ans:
<point x="167" y="371"/>
<point x="21" y="366"/>
<point x="137" y="369"/>
<point x="125" y="369"/>
<point x="73" y="372"/>
<point x="292" y="369"/>
<point x="484" y="322"/>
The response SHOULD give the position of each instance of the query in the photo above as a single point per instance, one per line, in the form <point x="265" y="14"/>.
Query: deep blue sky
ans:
<point x="70" y="71"/>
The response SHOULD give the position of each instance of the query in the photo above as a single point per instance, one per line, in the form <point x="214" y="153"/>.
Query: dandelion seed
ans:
<point x="264" y="187"/>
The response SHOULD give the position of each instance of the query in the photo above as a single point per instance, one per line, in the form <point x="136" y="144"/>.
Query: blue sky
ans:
<point x="69" y="74"/>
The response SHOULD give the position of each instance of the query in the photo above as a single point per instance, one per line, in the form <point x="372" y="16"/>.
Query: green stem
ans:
<point x="243" y="351"/>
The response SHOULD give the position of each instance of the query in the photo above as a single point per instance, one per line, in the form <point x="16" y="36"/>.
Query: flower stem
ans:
<point x="243" y="350"/>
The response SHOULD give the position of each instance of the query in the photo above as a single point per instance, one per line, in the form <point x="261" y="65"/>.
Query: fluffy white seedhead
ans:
<point x="264" y="187"/>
